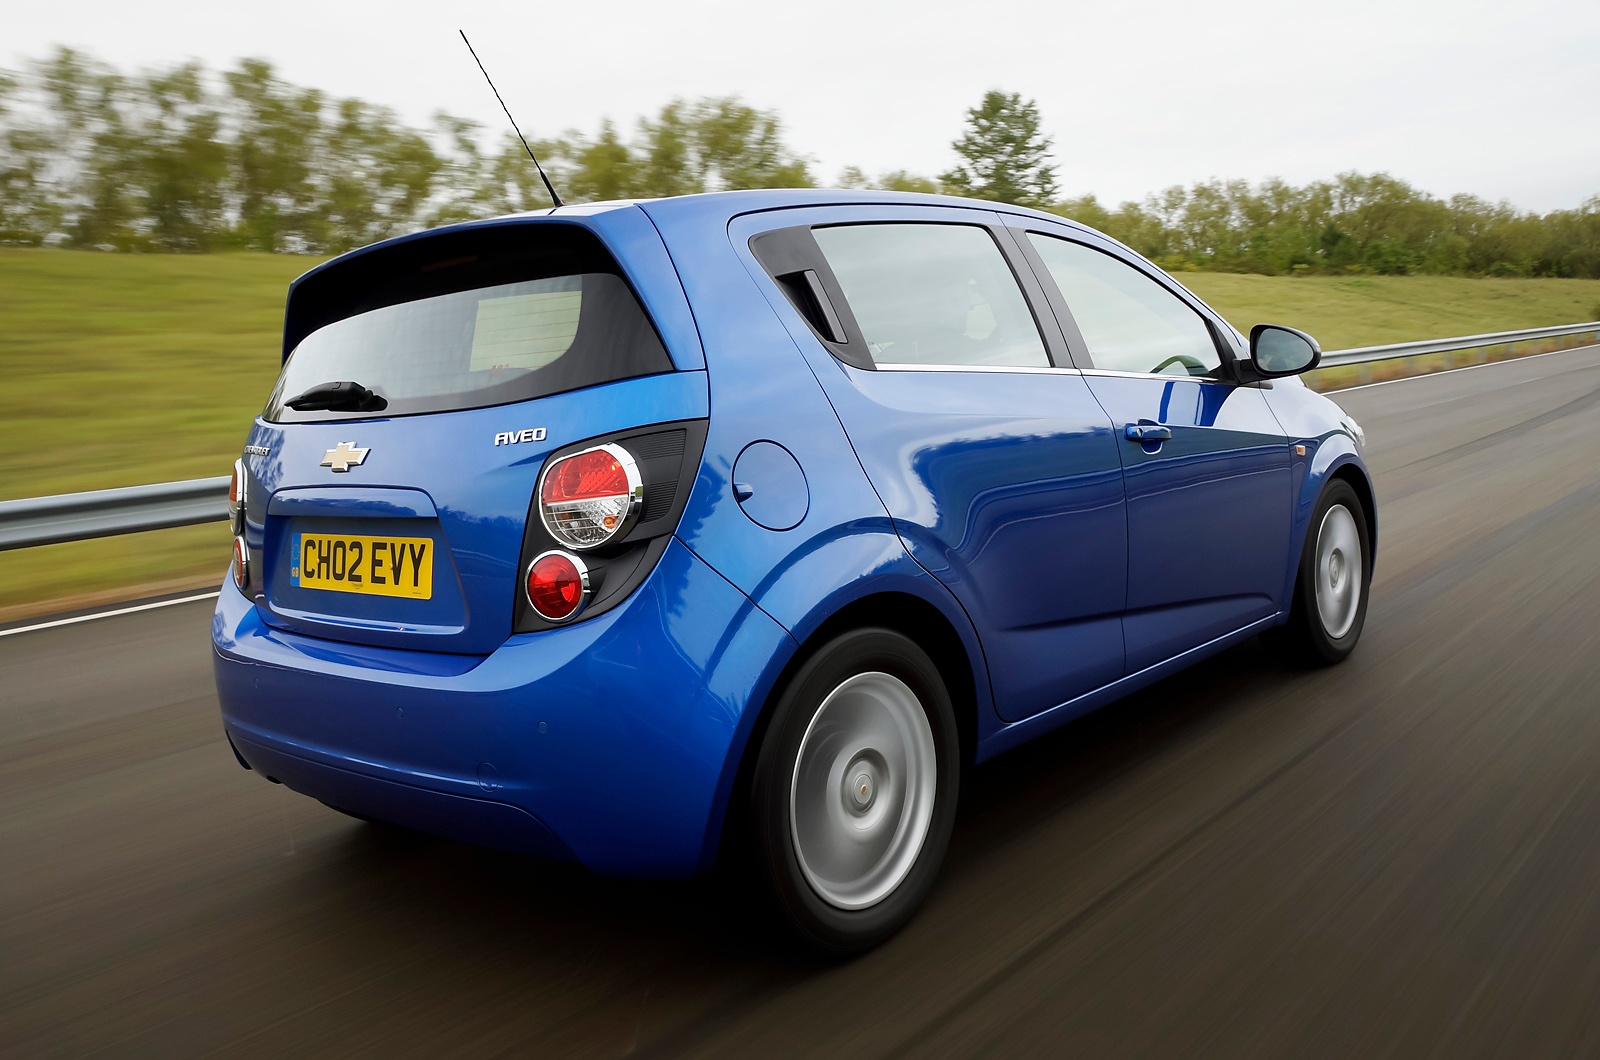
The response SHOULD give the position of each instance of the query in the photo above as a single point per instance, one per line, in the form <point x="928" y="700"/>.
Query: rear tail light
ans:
<point x="558" y="585"/>
<point x="237" y="488"/>
<point x="591" y="497"/>
<point x="236" y="498"/>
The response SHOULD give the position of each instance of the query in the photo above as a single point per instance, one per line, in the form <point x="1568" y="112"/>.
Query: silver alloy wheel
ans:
<point x="1339" y="571"/>
<point x="863" y="790"/>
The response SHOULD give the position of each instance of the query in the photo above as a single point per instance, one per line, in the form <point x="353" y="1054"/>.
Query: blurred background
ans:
<point x="165" y="171"/>
<point x="1397" y="856"/>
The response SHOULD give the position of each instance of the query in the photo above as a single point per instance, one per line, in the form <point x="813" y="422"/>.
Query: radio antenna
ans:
<point x="547" y="185"/>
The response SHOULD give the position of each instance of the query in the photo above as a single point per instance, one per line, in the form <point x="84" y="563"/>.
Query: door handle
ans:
<point x="1147" y="432"/>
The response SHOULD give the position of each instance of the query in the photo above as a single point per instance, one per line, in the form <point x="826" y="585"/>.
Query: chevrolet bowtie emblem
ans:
<point x="344" y="456"/>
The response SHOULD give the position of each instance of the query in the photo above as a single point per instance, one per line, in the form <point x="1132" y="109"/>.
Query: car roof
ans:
<point x="727" y="205"/>
<point x="716" y="207"/>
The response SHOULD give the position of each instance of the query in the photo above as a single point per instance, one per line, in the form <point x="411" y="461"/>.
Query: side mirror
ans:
<point x="1276" y="351"/>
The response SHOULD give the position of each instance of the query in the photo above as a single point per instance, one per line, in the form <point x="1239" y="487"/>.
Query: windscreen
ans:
<point x="487" y="345"/>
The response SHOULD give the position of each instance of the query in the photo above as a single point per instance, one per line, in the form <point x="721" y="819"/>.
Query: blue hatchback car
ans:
<point x="635" y="533"/>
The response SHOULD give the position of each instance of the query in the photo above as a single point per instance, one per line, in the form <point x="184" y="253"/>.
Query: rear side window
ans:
<point x="932" y="294"/>
<point x="454" y="338"/>
<point x="1129" y="322"/>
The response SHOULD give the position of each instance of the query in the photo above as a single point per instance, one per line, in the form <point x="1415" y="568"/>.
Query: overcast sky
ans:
<point x="1501" y="99"/>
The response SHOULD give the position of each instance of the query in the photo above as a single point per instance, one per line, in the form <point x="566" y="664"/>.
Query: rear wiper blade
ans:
<point x="344" y="396"/>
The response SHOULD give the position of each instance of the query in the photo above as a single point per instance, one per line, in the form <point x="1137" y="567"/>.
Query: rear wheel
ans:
<point x="1331" y="589"/>
<point x="854" y="791"/>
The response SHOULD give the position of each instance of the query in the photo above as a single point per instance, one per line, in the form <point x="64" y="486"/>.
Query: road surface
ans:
<point x="1398" y="856"/>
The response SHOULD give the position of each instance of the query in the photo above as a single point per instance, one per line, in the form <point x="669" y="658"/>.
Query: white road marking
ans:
<point x="1453" y="371"/>
<point x="110" y="614"/>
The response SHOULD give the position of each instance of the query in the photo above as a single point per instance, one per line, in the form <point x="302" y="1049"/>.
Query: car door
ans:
<point x="997" y="465"/>
<point x="1205" y="462"/>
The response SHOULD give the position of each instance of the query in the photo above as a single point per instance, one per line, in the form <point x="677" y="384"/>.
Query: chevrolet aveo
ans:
<point x="641" y="533"/>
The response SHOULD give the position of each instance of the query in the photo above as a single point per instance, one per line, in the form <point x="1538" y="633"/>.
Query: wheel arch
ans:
<point x="926" y="626"/>
<point x="1352" y="473"/>
<point x="907" y="613"/>
<point x="1335" y="458"/>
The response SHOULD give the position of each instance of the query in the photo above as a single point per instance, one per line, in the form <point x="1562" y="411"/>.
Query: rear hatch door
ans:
<point x="391" y="511"/>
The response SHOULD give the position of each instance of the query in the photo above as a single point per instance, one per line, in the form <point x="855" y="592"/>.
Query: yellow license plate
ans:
<point x="378" y="566"/>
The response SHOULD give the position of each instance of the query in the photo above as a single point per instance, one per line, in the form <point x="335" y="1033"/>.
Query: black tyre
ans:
<point x="1331" y="590"/>
<point x="854" y="790"/>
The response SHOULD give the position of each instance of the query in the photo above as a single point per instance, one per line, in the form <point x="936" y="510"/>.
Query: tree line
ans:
<point x="185" y="160"/>
<point x="181" y="160"/>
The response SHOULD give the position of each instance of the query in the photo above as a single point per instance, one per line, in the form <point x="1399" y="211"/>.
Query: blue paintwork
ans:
<point x="481" y="492"/>
<point x="1207" y="505"/>
<point x="1009" y="504"/>
<point x="1208" y="522"/>
<point x="1318" y="423"/>
<point x="636" y="707"/>
<point x="1006" y="487"/>
<point x="338" y="501"/>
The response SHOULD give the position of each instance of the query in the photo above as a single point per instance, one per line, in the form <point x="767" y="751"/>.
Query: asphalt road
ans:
<point x="1399" y="856"/>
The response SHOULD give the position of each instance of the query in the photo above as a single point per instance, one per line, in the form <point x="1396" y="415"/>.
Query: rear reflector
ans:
<point x="591" y="497"/>
<point x="241" y="563"/>
<point x="558" y="585"/>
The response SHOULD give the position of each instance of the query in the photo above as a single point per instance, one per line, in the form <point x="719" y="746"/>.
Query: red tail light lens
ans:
<point x="591" y="497"/>
<point x="558" y="585"/>
<point x="241" y="563"/>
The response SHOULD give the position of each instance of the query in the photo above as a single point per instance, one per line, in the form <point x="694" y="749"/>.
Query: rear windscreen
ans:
<point x="489" y="344"/>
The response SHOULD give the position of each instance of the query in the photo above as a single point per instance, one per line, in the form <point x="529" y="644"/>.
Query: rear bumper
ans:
<point x="613" y="742"/>
<point x="483" y="821"/>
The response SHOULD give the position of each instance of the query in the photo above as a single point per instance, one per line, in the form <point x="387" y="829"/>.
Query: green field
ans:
<point x="125" y="369"/>
<point x="122" y="369"/>
<point x="1343" y="312"/>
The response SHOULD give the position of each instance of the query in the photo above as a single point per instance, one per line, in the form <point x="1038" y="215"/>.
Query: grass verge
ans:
<point x="1345" y="312"/>
<point x="122" y="369"/>
<point x="110" y="569"/>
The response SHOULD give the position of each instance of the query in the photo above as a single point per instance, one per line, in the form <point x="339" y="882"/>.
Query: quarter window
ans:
<point x="932" y="294"/>
<point x="1129" y="321"/>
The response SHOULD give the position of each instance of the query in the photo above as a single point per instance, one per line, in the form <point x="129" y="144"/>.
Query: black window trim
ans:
<point x="1065" y="342"/>
<point x="792" y="250"/>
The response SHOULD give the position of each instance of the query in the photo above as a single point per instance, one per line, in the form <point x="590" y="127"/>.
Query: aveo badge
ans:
<point x="532" y="434"/>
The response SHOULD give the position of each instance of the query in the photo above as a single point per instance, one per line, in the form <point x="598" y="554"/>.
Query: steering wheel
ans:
<point x="1185" y="360"/>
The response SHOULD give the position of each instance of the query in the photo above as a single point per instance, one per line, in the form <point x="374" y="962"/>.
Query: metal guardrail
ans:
<point x="1367" y="354"/>
<point x="104" y="513"/>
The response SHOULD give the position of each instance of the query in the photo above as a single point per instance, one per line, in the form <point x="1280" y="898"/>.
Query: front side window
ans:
<point x="1129" y="321"/>
<point x="932" y="294"/>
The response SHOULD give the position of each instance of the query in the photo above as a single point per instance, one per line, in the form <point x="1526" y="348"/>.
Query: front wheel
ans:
<point x="854" y="791"/>
<point x="1331" y="589"/>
